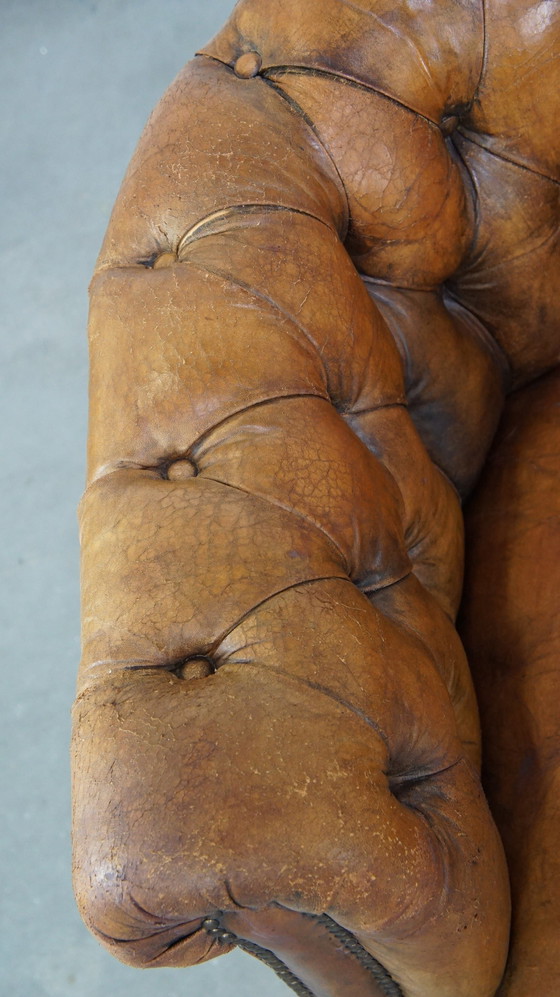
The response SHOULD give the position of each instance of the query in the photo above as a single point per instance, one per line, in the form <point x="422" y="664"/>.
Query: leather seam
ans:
<point x="351" y="81"/>
<point x="470" y="179"/>
<point x="300" y="113"/>
<point x="484" y="60"/>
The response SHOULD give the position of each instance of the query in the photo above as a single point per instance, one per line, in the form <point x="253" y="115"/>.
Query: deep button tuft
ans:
<point x="448" y="124"/>
<point x="248" y="65"/>
<point x="452" y="118"/>
<point x="164" y="260"/>
<point x="213" y="927"/>
<point x="181" y="469"/>
<point x="196" y="667"/>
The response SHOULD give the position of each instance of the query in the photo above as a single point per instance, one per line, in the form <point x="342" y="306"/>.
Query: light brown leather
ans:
<point x="331" y="258"/>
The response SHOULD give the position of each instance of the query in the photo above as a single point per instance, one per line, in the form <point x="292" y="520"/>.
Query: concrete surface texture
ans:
<point x="79" y="78"/>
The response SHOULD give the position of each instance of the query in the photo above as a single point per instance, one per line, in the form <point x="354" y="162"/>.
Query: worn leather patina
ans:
<point x="332" y="259"/>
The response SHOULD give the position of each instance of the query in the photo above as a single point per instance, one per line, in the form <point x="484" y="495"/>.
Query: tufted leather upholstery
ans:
<point x="329" y="262"/>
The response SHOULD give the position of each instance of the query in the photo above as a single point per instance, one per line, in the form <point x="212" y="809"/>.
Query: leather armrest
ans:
<point x="276" y="737"/>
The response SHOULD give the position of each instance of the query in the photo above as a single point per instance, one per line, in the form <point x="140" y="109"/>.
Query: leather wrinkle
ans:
<point x="146" y="913"/>
<point x="173" y="945"/>
<point x="153" y="934"/>
<point x="405" y="780"/>
<point x="192" y="451"/>
<point x="468" y="136"/>
<point x="398" y="285"/>
<point x="294" y="585"/>
<point x="146" y="664"/>
<point x="317" y="687"/>
<point x="340" y="407"/>
<point x="301" y="114"/>
<point x="171" y="667"/>
<point x="196" y="231"/>
<point x="270" y="500"/>
<point x="474" y="192"/>
<point x="237" y="282"/>
<point x="484" y="59"/>
<point x="267" y="74"/>
<point x="505" y="262"/>
<point x="498" y="351"/>
<point x="368" y="409"/>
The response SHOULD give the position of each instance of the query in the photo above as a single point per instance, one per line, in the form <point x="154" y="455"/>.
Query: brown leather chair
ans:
<point x="331" y="260"/>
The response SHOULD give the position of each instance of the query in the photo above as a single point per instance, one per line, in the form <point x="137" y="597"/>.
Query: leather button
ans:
<point x="197" y="667"/>
<point x="165" y="260"/>
<point x="449" y="124"/>
<point x="181" y="470"/>
<point x="248" y="65"/>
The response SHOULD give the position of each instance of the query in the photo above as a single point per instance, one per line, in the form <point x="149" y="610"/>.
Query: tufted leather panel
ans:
<point x="329" y="261"/>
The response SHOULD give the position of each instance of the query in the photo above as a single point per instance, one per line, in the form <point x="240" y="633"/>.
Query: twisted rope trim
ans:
<point x="384" y="980"/>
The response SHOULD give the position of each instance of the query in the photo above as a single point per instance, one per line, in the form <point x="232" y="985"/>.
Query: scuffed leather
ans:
<point x="329" y="261"/>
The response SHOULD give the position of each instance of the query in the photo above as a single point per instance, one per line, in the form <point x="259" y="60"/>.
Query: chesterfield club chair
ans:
<point x="323" y="316"/>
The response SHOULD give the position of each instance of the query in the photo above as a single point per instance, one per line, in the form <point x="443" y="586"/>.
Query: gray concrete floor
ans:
<point x="78" y="79"/>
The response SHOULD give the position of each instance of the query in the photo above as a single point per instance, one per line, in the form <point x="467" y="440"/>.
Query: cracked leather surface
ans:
<point x="329" y="263"/>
